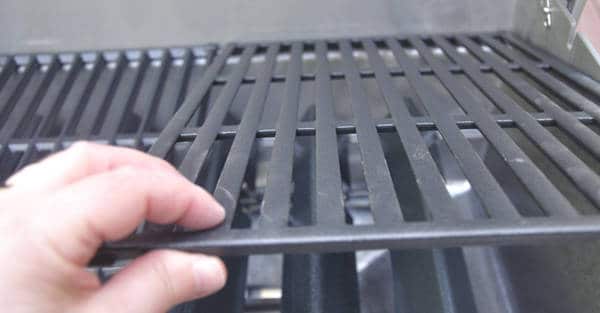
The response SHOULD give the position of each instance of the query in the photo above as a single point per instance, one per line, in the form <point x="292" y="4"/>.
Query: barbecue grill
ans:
<point x="429" y="168"/>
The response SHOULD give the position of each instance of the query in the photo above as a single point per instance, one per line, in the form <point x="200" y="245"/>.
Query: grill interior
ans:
<point x="318" y="149"/>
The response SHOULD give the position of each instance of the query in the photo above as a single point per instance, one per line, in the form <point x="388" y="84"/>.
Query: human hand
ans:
<point x="57" y="213"/>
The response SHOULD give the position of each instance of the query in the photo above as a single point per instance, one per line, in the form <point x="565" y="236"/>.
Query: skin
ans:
<point x="56" y="213"/>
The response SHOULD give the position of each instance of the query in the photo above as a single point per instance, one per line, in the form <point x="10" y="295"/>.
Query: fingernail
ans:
<point x="219" y="211"/>
<point x="9" y="182"/>
<point x="20" y="177"/>
<point x="210" y="275"/>
<point x="15" y="178"/>
<point x="215" y="207"/>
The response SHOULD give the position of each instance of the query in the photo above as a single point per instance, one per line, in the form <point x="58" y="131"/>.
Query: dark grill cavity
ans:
<point x="336" y="146"/>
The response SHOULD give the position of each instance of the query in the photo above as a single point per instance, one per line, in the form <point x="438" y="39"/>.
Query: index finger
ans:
<point x="110" y="205"/>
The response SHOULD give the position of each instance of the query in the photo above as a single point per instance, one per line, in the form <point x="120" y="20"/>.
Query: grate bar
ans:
<point x="204" y="105"/>
<point x="74" y="116"/>
<point x="423" y="123"/>
<point x="28" y="103"/>
<point x="171" y="131"/>
<point x="21" y="107"/>
<point x="577" y="77"/>
<point x="117" y="98"/>
<point x="367" y="73"/>
<point x="491" y="194"/>
<point x="77" y="99"/>
<point x="352" y="238"/>
<point x="151" y="96"/>
<point x="196" y="155"/>
<point x="329" y="180"/>
<point x="572" y="166"/>
<point x="176" y="91"/>
<point x="54" y="100"/>
<point x="8" y="68"/>
<point x="23" y="116"/>
<point x="566" y="121"/>
<point x="518" y="161"/>
<point x="15" y="87"/>
<point x="385" y="125"/>
<point x="68" y="103"/>
<point x="125" y="99"/>
<point x="276" y="201"/>
<point x="230" y="181"/>
<point x="384" y="203"/>
<point x="100" y="98"/>
<point x="542" y="77"/>
<point x="428" y="178"/>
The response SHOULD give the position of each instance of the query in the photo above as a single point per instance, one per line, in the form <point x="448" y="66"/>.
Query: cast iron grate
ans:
<point x="48" y="101"/>
<point x="538" y="115"/>
<point x="329" y="227"/>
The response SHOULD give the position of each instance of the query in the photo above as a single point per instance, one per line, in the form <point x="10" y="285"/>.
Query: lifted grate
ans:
<point x="278" y="130"/>
<point x="546" y="102"/>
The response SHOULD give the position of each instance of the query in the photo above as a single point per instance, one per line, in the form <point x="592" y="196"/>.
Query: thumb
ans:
<point x="160" y="280"/>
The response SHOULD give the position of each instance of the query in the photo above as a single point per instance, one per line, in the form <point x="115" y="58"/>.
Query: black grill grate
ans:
<point x="529" y="94"/>
<point x="118" y="97"/>
<point x="339" y="145"/>
<point x="268" y="128"/>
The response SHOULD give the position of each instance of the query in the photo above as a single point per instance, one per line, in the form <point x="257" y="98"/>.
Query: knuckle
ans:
<point x="136" y="179"/>
<point x="166" y="164"/>
<point x="82" y="151"/>
<point x="126" y="173"/>
<point x="81" y="147"/>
